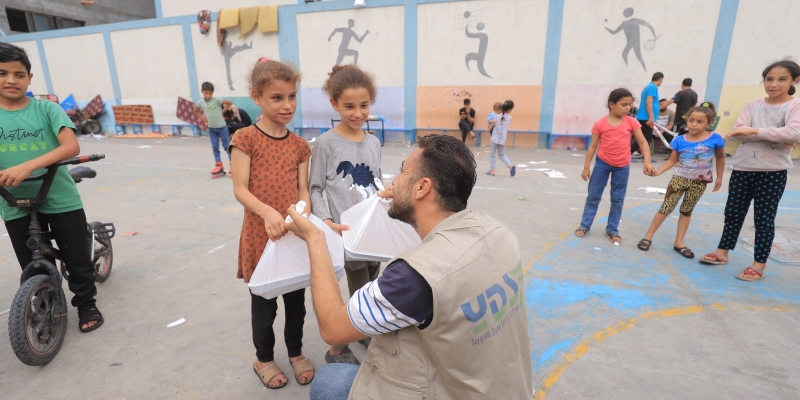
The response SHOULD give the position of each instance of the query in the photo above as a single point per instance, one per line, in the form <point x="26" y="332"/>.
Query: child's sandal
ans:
<point x="644" y="244"/>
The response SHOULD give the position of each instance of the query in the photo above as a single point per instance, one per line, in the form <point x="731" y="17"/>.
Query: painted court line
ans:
<point x="5" y="312"/>
<point x="599" y="337"/>
<point x="653" y="199"/>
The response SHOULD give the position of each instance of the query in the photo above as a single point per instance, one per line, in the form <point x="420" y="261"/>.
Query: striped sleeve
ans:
<point x="398" y="299"/>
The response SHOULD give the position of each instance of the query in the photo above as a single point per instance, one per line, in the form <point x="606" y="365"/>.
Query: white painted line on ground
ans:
<point x="5" y="312"/>
<point x="653" y="199"/>
<point x="223" y="245"/>
<point x="153" y="166"/>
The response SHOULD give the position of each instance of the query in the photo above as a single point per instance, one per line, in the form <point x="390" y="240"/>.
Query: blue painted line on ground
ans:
<point x="556" y="348"/>
<point x="574" y="291"/>
<point x="552" y="52"/>
<point x="722" y="48"/>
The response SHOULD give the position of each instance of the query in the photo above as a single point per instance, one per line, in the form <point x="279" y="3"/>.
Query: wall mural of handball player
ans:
<point x="631" y="28"/>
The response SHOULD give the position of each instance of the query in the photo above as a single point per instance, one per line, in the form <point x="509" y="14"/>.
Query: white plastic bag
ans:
<point x="373" y="235"/>
<point x="285" y="265"/>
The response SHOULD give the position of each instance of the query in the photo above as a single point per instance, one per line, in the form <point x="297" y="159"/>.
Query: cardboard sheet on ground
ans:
<point x="285" y="265"/>
<point x="785" y="247"/>
<point x="373" y="235"/>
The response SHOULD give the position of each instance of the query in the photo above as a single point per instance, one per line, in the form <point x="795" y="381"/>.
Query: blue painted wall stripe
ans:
<point x="159" y="11"/>
<point x="112" y="66"/>
<point x="45" y="69"/>
<point x="552" y="52"/>
<point x="191" y="67"/>
<point x="289" y="50"/>
<point x="722" y="48"/>
<point x="410" y="19"/>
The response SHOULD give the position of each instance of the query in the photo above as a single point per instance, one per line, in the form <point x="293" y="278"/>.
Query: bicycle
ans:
<point x="38" y="316"/>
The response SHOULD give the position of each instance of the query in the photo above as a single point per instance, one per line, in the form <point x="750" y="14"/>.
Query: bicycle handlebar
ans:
<point x="47" y="180"/>
<point x="69" y="161"/>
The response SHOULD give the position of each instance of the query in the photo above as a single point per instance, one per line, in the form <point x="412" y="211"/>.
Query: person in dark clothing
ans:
<point x="684" y="100"/>
<point x="467" y="123"/>
<point x="236" y="119"/>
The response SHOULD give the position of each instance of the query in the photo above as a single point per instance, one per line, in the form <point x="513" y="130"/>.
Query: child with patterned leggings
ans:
<point x="694" y="153"/>
<point x="767" y="128"/>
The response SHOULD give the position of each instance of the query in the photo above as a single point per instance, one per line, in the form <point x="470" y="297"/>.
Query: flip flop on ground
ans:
<point x="613" y="238"/>
<point x="684" y="251"/>
<point x="713" y="259"/>
<point x="267" y="373"/>
<point x="750" y="274"/>
<point x="581" y="232"/>
<point x="644" y="244"/>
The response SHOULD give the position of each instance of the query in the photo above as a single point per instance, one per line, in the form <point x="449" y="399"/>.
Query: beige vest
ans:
<point x="477" y="345"/>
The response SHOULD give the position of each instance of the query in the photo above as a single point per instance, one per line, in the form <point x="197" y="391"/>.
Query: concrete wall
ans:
<point x="321" y="37"/>
<point x="102" y="12"/>
<point x="556" y="59"/>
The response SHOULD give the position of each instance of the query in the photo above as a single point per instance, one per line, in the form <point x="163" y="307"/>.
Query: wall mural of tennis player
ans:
<point x="483" y="44"/>
<point x="344" y="47"/>
<point x="632" y="30"/>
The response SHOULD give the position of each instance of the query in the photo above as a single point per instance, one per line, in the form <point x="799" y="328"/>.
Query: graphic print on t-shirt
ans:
<point x="363" y="178"/>
<point x="33" y="141"/>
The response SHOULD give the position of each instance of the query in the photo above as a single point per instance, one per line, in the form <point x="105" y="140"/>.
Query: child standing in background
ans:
<point x="694" y="153"/>
<point x="345" y="165"/>
<point x="492" y="119"/>
<point x="611" y="139"/>
<point x="213" y="108"/>
<point x="272" y="174"/>
<point x="767" y="127"/>
<point x="499" y="135"/>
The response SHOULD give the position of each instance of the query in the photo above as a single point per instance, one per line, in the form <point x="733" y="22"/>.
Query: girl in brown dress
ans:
<point x="271" y="165"/>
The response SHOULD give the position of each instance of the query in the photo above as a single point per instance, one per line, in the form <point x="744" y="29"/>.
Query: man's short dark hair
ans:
<point x="662" y="100"/>
<point x="10" y="53"/>
<point x="451" y="166"/>
<point x="687" y="82"/>
<point x="207" y="86"/>
<point x="466" y="102"/>
<point x="657" y="76"/>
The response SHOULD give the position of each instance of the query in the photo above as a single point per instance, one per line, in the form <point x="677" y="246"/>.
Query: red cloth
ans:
<point x="133" y="115"/>
<point x="615" y="141"/>
<point x="186" y="113"/>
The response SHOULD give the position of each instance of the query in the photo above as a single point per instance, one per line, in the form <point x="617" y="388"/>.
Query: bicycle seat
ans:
<point x="79" y="173"/>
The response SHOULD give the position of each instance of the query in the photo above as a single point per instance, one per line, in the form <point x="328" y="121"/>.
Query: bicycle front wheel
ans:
<point x="36" y="326"/>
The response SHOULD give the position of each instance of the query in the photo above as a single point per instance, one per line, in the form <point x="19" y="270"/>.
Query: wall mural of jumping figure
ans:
<point x="347" y="34"/>
<point x="631" y="28"/>
<point x="483" y="44"/>
<point x="228" y="51"/>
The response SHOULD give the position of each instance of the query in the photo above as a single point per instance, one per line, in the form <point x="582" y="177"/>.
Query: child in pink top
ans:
<point x="767" y="128"/>
<point x="612" y="134"/>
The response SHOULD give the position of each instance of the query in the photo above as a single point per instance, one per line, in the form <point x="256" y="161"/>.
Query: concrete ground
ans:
<point x="605" y="321"/>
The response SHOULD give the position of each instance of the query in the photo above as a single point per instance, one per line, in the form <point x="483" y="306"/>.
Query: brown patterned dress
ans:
<point x="274" y="172"/>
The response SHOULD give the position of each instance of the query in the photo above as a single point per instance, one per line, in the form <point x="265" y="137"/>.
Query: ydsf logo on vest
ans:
<point x="499" y="302"/>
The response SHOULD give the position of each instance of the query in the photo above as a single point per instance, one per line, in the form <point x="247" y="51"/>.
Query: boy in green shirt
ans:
<point x="35" y="134"/>
<point x="213" y="107"/>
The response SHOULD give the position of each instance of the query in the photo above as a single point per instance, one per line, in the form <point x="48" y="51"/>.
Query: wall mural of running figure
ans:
<point x="483" y="44"/>
<point x="631" y="28"/>
<point x="228" y="51"/>
<point x="347" y="34"/>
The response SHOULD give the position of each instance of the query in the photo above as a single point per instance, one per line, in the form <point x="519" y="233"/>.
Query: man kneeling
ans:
<point x="448" y="317"/>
